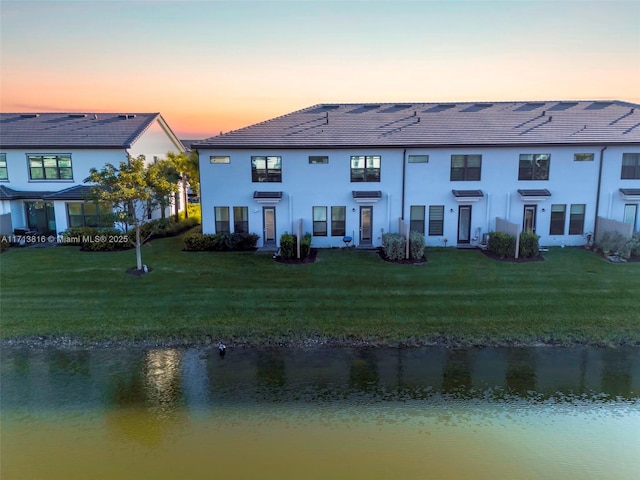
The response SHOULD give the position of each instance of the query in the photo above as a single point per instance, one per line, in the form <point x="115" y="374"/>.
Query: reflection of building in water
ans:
<point x="363" y="372"/>
<point x="521" y="371"/>
<point x="162" y="378"/>
<point x="617" y="366"/>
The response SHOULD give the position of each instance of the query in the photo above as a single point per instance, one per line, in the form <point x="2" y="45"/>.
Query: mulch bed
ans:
<point x="138" y="273"/>
<point x="311" y="258"/>
<point x="493" y="256"/>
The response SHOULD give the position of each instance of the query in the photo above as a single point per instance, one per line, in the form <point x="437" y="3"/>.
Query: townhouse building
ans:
<point x="448" y="170"/>
<point x="45" y="158"/>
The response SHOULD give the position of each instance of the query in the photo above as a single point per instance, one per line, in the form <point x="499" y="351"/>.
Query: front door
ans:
<point x="366" y="217"/>
<point x="631" y="214"/>
<point x="41" y="217"/>
<point x="464" y="224"/>
<point x="269" y="222"/>
<point x="529" y="221"/>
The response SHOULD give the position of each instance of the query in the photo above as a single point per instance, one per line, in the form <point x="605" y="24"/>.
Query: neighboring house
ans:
<point x="45" y="158"/>
<point x="447" y="169"/>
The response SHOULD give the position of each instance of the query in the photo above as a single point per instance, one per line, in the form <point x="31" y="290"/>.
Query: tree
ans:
<point x="130" y="191"/>
<point x="163" y="178"/>
<point x="189" y="173"/>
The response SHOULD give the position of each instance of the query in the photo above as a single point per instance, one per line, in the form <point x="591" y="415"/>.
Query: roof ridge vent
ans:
<point x="30" y="115"/>
<point x="77" y="115"/>
<point x="127" y="116"/>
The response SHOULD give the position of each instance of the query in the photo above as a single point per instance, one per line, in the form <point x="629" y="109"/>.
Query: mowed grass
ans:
<point x="457" y="297"/>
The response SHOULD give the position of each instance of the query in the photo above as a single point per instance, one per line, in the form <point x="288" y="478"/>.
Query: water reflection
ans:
<point x="382" y="413"/>
<point x="163" y="380"/>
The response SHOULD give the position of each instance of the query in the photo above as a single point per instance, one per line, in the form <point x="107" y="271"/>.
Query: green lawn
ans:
<point x="459" y="296"/>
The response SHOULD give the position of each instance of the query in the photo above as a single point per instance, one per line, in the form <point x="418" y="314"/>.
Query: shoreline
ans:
<point x="67" y="342"/>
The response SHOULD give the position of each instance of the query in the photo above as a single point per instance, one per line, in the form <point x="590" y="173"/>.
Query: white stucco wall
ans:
<point x="306" y="185"/>
<point x="154" y="142"/>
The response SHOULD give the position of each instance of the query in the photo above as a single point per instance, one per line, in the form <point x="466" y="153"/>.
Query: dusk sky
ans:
<point x="211" y="66"/>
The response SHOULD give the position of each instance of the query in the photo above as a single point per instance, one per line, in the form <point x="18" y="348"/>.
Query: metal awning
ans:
<point x="534" y="195"/>
<point x="267" y="198"/>
<point x="467" y="195"/>
<point x="630" y="193"/>
<point x="366" y="196"/>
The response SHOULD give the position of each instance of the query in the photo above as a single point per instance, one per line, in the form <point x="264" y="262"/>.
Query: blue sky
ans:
<point x="211" y="66"/>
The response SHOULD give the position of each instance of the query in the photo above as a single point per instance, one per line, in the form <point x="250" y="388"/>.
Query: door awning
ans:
<point x="366" y="196"/>
<point x="534" y="195"/>
<point x="467" y="195"/>
<point x="267" y="198"/>
<point x="630" y="193"/>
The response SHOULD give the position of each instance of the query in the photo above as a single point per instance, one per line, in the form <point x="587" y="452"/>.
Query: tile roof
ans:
<point x="72" y="130"/>
<point x="7" y="193"/>
<point x="78" y="192"/>
<point x="442" y="124"/>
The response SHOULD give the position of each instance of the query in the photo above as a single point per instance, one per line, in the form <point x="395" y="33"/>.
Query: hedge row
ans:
<point x="110" y="239"/>
<point x="504" y="245"/>
<point x="394" y="246"/>
<point x="220" y="242"/>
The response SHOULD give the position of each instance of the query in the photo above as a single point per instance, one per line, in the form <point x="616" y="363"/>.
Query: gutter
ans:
<point x="595" y="220"/>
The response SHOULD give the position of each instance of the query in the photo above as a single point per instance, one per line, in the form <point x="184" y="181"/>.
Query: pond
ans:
<point x="166" y="413"/>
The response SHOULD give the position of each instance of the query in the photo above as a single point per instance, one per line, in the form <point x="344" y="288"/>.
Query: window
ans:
<point x="418" y="158"/>
<point x="318" y="160"/>
<point x="84" y="215"/>
<point x="466" y="167"/>
<point x="50" y="167"/>
<point x="338" y="221"/>
<point x="417" y="219"/>
<point x="583" y="157"/>
<point x="365" y="168"/>
<point x="241" y="219"/>
<point x="436" y="220"/>
<point x="576" y="219"/>
<point x="534" y="166"/>
<point x="219" y="159"/>
<point x="4" y="174"/>
<point x="558" y="215"/>
<point x="320" y="221"/>
<point x="221" y="215"/>
<point x="266" y="169"/>
<point x="630" y="166"/>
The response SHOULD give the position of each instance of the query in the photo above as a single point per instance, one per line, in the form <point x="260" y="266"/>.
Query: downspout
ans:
<point x="404" y="170"/>
<point x="595" y="220"/>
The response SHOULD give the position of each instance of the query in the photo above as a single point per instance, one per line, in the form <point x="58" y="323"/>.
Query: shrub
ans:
<point x="416" y="245"/>
<point x="635" y="244"/>
<point x="244" y="241"/>
<point x="97" y="239"/>
<point x="197" y="242"/>
<point x="615" y="242"/>
<point x="4" y="245"/>
<point x="289" y="245"/>
<point x="220" y="242"/>
<point x="305" y="245"/>
<point x="502" y="244"/>
<point x="528" y="245"/>
<point x="393" y="245"/>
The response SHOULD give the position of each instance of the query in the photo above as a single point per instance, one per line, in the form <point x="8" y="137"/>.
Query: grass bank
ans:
<point x="345" y="297"/>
